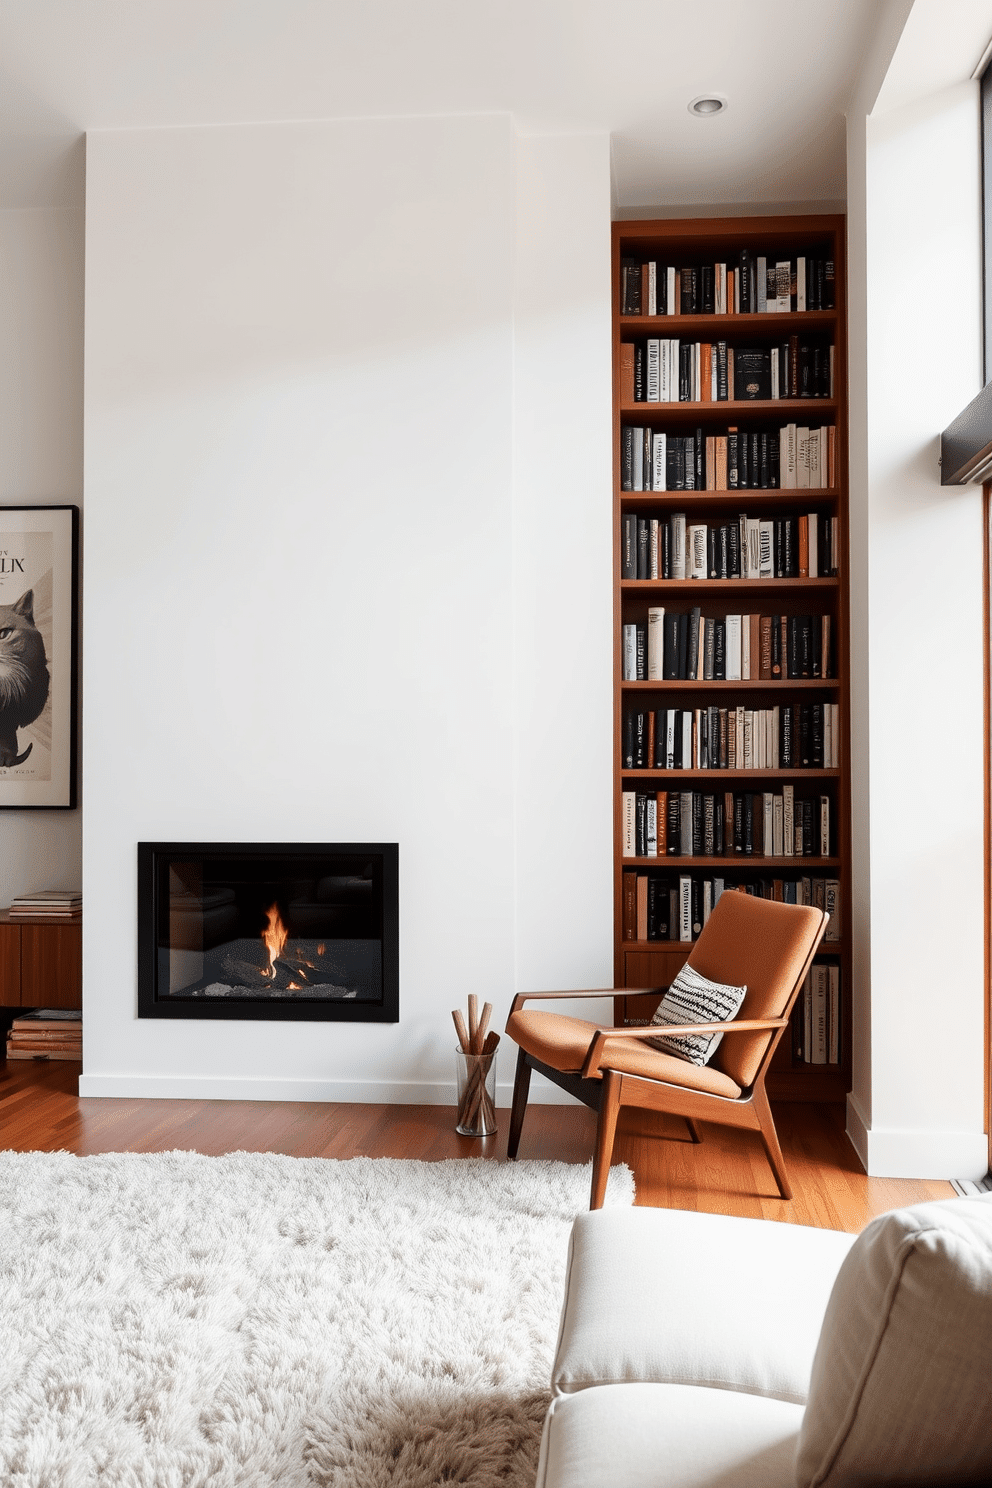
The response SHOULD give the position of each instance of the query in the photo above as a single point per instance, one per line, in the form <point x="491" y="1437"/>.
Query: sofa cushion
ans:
<point x="900" y="1384"/>
<point x="663" y="1295"/>
<point x="694" y="998"/>
<point x="645" y="1436"/>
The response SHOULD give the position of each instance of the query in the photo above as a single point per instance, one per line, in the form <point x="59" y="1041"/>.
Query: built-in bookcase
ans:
<point x="801" y="668"/>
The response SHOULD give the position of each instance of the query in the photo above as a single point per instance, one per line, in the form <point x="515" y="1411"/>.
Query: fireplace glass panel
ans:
<point x="288" y="932"/>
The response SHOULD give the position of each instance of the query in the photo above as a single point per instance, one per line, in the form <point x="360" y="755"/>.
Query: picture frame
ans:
<point x="39" y="552"/>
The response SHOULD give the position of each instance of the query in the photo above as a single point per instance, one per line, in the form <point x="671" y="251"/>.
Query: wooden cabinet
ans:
<point x="41" y="963"/>
<point x="784" y="594"/>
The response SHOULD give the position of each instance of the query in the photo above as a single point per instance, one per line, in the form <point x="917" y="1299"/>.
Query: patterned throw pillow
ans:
<point x="695" y="999"/>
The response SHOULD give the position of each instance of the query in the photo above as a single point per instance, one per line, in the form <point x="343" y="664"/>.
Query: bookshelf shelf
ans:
<point x="724" y="586"/>
<point x="722" y="500"/>
<point x="738" y="777"/>
<point x="727" y="327"/>
<point x="803" y="684"/>
<point x="777" y="794"/>
<point x="777" y="410"/>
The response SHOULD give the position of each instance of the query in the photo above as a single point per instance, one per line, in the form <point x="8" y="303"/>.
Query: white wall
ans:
<point x="41" y="460"/>
<point x="916" y="573"/>
<point x="305" y="508"/>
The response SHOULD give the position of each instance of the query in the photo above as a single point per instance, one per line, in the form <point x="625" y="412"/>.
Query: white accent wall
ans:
<point x="347" y="475"/>
<point x="916" y="588"/>
<point x="41" y="447"/>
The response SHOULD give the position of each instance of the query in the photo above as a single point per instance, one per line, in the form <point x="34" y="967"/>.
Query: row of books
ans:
<point x="793" y="457"/>
<point x="816" y="1017"/>
<point x="743" y="547"/>
<point x="46" y="1033"/>
<point x="658" y="906"/>
<point x="796" y="736"/>
<point x="666" y="370"/>
<point x="692" y="647"/>
<point x="753" y="284"/>
<point x="49" y="904"/>
<point x="694" y="824"/>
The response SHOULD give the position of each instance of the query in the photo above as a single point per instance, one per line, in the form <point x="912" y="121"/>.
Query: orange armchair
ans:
<point x="767" y="946"/>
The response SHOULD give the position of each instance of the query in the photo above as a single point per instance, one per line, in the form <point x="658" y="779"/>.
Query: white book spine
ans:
<point x="835" y="733"/>
<point x="656" y="643"/>
<point x="745" y="648"/>
<point x="761" y="276"/>
<point x="791" y="463"/>
<point x="670" y="300"/>
<point x="630" y="653"/>
<point x="718" y="886"/>
<point x="670" y="739"/>
<point x="739" y="761"/>
<point x="778" y="846"/>
<point x="697" y="372"/>
<point x="752" y="548"/>
<point x="733" y="648"/>
<point x="766" y="550"/>
<point x="801" y="283"/>
<point x="788" y="821"/>
<point x="685" y="908"/>
<point x="774" y="359"/>
<point x="697" y="551"/>
<point x="828" y="736"/>
<point x="654" y="370"/>
<point x="659" y="462"/>
<point x="713" y="376"/>
<point x="654" y="549"/>
<point x="651" y="827"/>
<point x="652" y="288"/>
<point x="720" y="289"/>
<point x="768" y="833"/>
<point x="678" y="546"/>
<point x="776" y="735"/>
<point x="707" y="899"/>
<point x="629" y="824"/>
<point x="748" y="739"/>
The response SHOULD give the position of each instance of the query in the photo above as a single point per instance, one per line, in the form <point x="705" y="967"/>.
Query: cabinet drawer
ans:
<point x="10" y="965"/>
<point x="51" y="966"/>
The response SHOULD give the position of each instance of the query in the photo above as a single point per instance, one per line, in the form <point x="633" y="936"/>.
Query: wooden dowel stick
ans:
<point x="473" y="1022"/>
<point x="461" y="1031"/>
<point x="487" y="1013"/>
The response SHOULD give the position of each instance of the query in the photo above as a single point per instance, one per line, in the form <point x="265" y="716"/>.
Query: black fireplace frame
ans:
<point x="153" y="857"/>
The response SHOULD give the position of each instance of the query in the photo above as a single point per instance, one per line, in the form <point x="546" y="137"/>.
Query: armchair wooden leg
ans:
<point x="769" y="1137"/>
<point x="521" y="1087"/>
<point x="609" y="1109"/>
<point x="693" y="1131"/>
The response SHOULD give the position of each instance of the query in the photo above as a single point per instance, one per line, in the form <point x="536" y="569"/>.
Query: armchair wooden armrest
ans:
<point x="523" y="997"/>
<point x="597" y="1047"/>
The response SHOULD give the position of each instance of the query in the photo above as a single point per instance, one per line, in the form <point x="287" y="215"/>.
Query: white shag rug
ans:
<point x="173" y="1320"/>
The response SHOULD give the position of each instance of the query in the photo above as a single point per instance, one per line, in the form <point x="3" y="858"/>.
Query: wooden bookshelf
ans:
<point x="653" y="963"/>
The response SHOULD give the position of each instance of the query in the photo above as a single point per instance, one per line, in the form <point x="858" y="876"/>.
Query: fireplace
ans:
<point x="305" y="932"/>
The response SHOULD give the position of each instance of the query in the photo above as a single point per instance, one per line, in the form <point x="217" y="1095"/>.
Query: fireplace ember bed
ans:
<point x="307" y="932"/>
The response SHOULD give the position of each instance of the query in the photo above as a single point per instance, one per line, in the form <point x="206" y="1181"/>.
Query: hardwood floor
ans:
<point x="727" y="1174"/>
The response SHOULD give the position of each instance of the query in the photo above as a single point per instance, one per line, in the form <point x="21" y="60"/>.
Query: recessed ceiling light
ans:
<point x="707" y="104"/>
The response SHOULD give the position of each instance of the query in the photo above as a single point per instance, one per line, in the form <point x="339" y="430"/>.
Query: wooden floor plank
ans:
<point x="727" y="1173"/>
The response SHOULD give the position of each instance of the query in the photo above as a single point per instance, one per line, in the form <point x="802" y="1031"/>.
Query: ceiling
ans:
<point x="627" y="67"/>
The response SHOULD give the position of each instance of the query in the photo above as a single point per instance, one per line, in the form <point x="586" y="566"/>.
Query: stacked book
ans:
<point x="46" y="1033"/>
<point x="49" y="904"/>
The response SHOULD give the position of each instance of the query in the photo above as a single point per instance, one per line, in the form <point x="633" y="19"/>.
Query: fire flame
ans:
<point x="274" y="937"/>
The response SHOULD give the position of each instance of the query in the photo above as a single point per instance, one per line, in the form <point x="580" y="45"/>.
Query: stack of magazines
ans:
<point x="50" y="904"/>
<point x="46" y="1033"/>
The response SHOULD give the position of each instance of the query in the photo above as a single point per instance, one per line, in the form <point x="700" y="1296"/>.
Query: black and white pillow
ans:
<point x="695" y="999"/>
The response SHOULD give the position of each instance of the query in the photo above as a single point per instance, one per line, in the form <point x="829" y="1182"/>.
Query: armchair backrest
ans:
<point x="766" y="946"/>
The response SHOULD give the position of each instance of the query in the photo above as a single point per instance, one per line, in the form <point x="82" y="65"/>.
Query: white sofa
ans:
<point x="697" y="1351"/>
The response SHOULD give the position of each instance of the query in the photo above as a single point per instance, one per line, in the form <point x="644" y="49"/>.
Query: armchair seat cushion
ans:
<point x="665" y="1296"/>
<point x="564" y="1042"/>
<point x="668" y="1436"/>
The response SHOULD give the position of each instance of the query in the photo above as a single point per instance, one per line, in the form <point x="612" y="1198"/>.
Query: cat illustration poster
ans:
<point x="37" y="627"/>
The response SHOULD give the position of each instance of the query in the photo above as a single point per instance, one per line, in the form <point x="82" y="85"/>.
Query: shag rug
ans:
<point x="173" y="1320"/>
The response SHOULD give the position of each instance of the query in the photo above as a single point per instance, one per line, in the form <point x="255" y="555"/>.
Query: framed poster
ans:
<point x="38" y="555"/>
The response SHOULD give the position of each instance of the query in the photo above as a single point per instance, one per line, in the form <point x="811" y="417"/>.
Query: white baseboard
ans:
<point x="362" y="1092"/>
<point x="889" y="1153"/>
